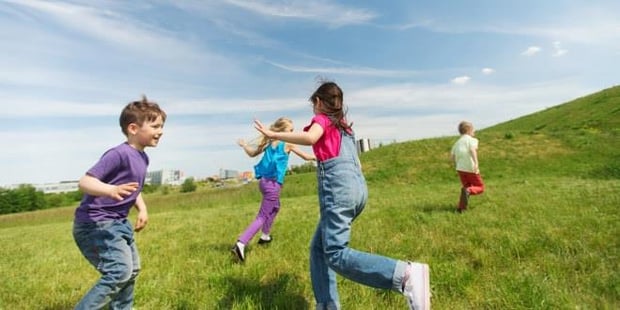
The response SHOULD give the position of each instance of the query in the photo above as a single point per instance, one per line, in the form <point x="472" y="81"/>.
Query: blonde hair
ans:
<point x="282" y="124"/>
<point x="465" y="127"/>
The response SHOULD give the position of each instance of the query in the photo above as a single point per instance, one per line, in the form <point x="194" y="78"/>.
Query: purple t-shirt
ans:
<point x="119" y="165"/>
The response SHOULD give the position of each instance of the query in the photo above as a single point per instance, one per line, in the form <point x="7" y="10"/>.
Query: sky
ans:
<point x="409" y="70"/>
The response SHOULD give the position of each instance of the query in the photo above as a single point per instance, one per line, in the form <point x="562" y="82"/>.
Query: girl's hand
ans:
<point x="241" y="143"/>
<point x="264" y="130"/>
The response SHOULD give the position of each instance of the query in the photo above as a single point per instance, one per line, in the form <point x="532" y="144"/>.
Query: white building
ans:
<point x="165" y="177"/>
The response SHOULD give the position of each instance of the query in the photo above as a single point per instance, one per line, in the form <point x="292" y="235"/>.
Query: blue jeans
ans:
<point x="342" y="197"/>
<point x="110" y="247"/>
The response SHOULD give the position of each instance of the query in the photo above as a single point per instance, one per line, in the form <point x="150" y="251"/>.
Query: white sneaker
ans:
<point x="417" y="288"/>
<point x="238" y="250"/>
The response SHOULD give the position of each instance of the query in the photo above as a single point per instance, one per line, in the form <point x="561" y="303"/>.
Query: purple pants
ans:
<point x="269" y="208"/>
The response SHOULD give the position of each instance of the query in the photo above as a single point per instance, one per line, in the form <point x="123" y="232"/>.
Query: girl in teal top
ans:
<point x="270" y="172"/>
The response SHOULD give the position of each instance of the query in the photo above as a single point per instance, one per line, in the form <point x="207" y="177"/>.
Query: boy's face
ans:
<point x="146" y="135"/>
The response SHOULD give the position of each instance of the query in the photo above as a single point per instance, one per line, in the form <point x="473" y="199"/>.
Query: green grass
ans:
<point x="545" y="234"/>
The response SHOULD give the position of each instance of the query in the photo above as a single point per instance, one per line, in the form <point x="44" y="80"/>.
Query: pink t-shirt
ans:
<point x="328" y="145"/>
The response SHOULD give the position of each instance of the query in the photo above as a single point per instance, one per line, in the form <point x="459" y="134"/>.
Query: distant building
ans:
<point x="49" y="188"/>
<point x="165" y="177"/>
<point x="363" y="145"/>
<point x="226" y="174"/>
<point x="247" y="176"/>
<point x="57" y="188"/>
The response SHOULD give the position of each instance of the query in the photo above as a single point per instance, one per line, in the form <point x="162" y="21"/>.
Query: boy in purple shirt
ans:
<point x="111" y="187"/>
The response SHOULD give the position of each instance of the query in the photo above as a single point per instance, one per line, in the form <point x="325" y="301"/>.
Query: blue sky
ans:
<point x="409" y="70"/>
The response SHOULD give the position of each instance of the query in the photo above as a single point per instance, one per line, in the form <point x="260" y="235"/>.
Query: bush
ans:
<point x="188" y="186"/>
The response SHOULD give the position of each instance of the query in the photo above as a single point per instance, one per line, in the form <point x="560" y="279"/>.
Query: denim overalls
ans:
<point x="342" y="197"/>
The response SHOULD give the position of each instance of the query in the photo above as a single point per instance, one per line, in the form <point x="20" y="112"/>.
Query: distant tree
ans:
<point x="150" y="188"/>
<point x="23" y="198"/>
<point x="54" y="200"/>
<point x="188" y="185"/>
<point x="306" y="167"/>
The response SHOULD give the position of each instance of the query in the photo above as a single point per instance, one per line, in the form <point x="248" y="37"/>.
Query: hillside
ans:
<point x="579" y="138"/>
<point x="544" y="235"/>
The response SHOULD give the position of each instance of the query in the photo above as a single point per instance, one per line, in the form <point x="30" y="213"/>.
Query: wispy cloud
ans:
<point x="106" y="25"/>
<point x="346" y="70"/>
<point x="487" y="71"/>
<point x="558" y="50"/>
<point x="461" y="80"/>
<point x="531" y="51"/>
<point x="317" y="11"/>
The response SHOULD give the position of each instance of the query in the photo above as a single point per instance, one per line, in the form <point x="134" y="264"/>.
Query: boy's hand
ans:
<point x="141" y="221"/>
<point x="119" y="192"/>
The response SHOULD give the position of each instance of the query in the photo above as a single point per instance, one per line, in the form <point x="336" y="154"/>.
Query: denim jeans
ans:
<point x="110" y="247"/>
<point x="342" y="197"/>
<point x="269" y="207"/>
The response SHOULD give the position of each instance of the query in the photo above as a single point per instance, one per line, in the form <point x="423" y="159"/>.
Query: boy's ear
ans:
<point x="133" y="128"/>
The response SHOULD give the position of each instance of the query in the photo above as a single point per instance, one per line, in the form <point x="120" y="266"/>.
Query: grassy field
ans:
<point x="545" y="234"/>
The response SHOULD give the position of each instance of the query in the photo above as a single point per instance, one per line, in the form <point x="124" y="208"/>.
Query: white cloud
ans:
<point x="317" y="11"/>
<point x="558" y="50"/>
<point x="531" y="51"/>
<point x="105" y="25"/>
<point x="461" y="80"/>
<point x="346" y="70"/>
<point x="488" y="71"/>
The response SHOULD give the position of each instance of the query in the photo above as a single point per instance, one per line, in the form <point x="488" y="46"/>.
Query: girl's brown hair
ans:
<point x="332" y="100"/>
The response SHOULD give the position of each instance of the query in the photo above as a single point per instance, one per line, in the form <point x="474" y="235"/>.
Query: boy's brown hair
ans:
<point x="138" y="112"/>
<point x="465" y="127"/>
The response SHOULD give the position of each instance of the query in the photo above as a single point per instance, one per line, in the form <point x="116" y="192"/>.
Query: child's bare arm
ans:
<point x="303" y="138"/>
<point x="303" y="155"/>
<point x="93" y="186"/>
<point x="474" y="156"/>
<point x="143" y="216"/>
<point x="252" y="152"/>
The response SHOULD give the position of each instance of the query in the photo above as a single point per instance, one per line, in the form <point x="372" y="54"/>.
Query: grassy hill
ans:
<point x="544" y="235"/>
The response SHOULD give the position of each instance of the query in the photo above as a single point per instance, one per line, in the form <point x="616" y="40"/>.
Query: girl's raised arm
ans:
<point x="302" y="137"/>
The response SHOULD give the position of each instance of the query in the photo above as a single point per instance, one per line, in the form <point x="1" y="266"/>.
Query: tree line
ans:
<point x="27" y="198"/>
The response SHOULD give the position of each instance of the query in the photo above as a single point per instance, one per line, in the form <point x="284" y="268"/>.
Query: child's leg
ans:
<point x="106" y="246"/>
<point x="271" y="191"/>
<point x="365" y="268"/>
<point x="463" y="196"/>
<point x="124" y="298"/>
<point x="266" y="209"/>
<point x="324" y="283"/>
<point x="253" y="228"/>
<point x="476" y="186"/>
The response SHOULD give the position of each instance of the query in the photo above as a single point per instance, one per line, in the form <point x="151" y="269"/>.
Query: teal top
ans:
<point x="274" y="163"/>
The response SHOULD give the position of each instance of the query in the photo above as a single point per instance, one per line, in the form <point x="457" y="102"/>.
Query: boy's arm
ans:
<point x="143" y="216"/>
<point x="474" y="157"/>
<point x="94" y="187"/>
<point x="305" y="156"/>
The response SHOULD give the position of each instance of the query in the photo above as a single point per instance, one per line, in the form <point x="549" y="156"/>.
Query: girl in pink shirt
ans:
<point x="342" y="197"/>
